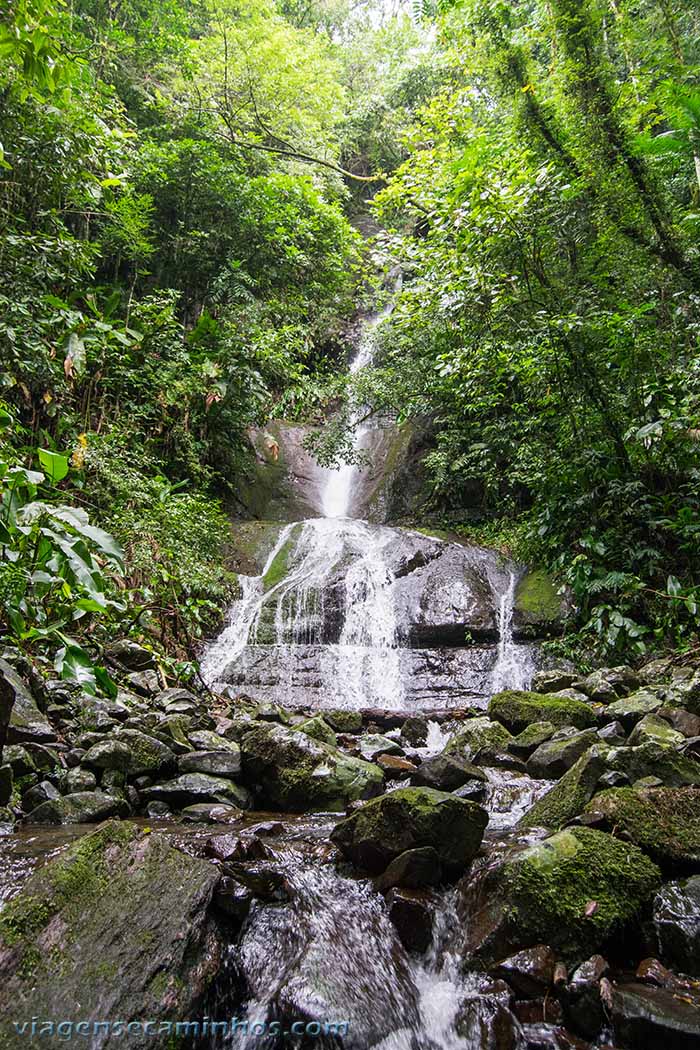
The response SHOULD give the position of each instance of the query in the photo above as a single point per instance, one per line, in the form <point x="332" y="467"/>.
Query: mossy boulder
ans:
<point x="569" y="796"/>
<point x="544" y="895"/>
<point x="118" y="927"/>
<point x="537" y="603"/>
<point x="531" y="737"/>
<point x="553" y="758"/>
<point x="664" y="822"/>
<point x="343" y="721"/>
<point x="20" y="718"/>
<point x="655" y="760"/>
<point x="289" y="770"/>
<point x="82" y="807"/>
<point x="655" y="730"/>
<point x="318" y="729"/>
<point x="412" y="818"/>
<point x="631" y="709"/>
<point x="193" y="787"/>
<point x="475" y="735"/>
<point x="676" y="916"/>
<point x="517" y="710"/>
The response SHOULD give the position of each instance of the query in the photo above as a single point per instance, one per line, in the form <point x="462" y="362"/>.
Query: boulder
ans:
<point x="526" y="742"/>
<point x="655" y="760"/>
<point x="529" y="972"/>
<point x="475" y="735"/>
<point x="83" y="807"/>
<point x="109" y="753"/>
<point x="343" y="721"/>
<point x="131" y="655"/>
<point x="318" y="729"/>
<point x="447" y="771"/>
<point x="632" y="708"/>
<point x="655" y="730"/>
<point x="609" y="683"/>
<point x="206" y="740"/>
<point x="415" y="869"/>
<point x="372" y="744"/>
<point x="571" y="891"/>
<point x="415" y="731"/>
<point x="411" y="916"/>
<point x="569" y="796"/>
<point x="145" y="683"/>
<point x="553" y="758"/>
<point x="411" y="818"/>
<point x="517" y="710"/>
<point x="288" y="770"/>
<point x="6" y="784"/>
<point x="20" y="718"/>
<point x="654" y="1018"/>
<point x="677" y="925"/>
<point x="216" y="763"/>
<point x="552" y="681"/>
<point x="118" y="927"/>
<point x="664" y="822"/>
<point x="191" y="788"/>
<point x="396" y="767"/>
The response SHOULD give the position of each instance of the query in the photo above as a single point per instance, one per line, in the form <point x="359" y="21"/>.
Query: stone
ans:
<point x="682" y="721"/>
<point x="110" y="753"/>
<point x="486" y="1021"/>
<point x="19" y="759"/>
<point x="585" y="1010"/>
<point x="130" y="655"/>
<point x="206" y="740"/>
<point x="476" y="734"/>
<point x="415" y="731"/>
<point x="318" y="729"/>
<point x="654" y="1018"/>
<point x="343" y="721"/>
<point x="158" y="810"/>
<point x="288" y="770"/>
<point x="117" y="926"/>
<point x="410" y="818"/>
<point x="447" y="771"/>
<point x="42" y="792"/>
<point x="232" y="898"/>
<point x="664" y="822"/>
<point x="415" y="869"/>
<point x="236" y="847"/>
<point x="632" y="708"/>
<point x="147" y="754"/>
<point x="653" y="759"/>
<point x="552" y="681"/>
<point x="20" y="718"/>
<point x="613" y="734"/>
<point x="529" y="972"/>
<point x="396" y="767"/>
<point x="541" y="894"/>
<point x="569" y="796"/>
<point x="608" y="684"/>
<point x="372" y="744"/>
<point x="516" y="710"/>
<point x="82" y="807"/>
<point x="212" y="813"/>
<point x="531" y="737"/>
<point x="494" y="758"/>
<point x="553" y="758"/>
<point x="190" y="788"/>
<point x="676" y="915"/>
<point x="145" y="683"/>
<point x="6" y="784"/>
<point x="655" y="730"/>
<point x="412" y="919"/>
<point x="217" y="763"/>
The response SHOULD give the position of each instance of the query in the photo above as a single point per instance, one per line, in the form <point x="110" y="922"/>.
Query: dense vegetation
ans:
<point x="177" y="184"/>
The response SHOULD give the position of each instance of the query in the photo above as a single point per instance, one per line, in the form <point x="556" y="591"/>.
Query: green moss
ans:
<point x="318" y="729"/>
<point x="569" y="796"/>
<point x="478" y="733"/>
<point x="552" y="884"/>
<point x="344" y="721"/>
<point x="664" y="822"/>
<point x="280" y="565"/>
<point x="517" y="710"/>
<point x="536" y="597"/>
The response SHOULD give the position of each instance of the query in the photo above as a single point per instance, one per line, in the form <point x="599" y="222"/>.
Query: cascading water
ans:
<point x="514" y="663"/>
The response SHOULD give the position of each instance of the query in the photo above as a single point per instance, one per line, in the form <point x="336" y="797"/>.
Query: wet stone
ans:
<point x="677" y="924"/>
<point x="216" y="763"/>
<point x="414" y="869"/>
<point x="529" y="973"/>
<point x="410" y="913"/>
<point x="655" y="1018"/>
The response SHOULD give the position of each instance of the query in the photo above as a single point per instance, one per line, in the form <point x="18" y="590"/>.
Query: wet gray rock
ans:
<point x="654" y="1018"/>
<point x="191" y="788"/>
<point x="108" y="754"/>
<point x="530" y="739"/>
<point x="652" y="729"/>
<point x="118" y="926"/>
<point x="554" y="757"/>
<point x="82" y="807"/>
<point x="447" y="772"/>
<point x="147" y="754"/>
<point x="609" y="683"/>
<point x="145" y="683"/>
<point x="632" y="708"/>
<point x="20" y="718"/>
<point x="552" y="681"/>
<point x="613" y="734"/>
<point x="677" y="924"/>
<point x="414" y="731"/>
<point x="206" y="740"/>
<point x="217" y="763"/>
<point x="131" y="655"/>
<point x="415" y="869"/>
<point x="372" y="744"/>
<point x="410" y="914"/>
<point x="529" y="972"/>
<point x="44" y="791"/>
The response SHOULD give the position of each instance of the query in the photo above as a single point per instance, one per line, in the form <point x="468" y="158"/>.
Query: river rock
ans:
<point x="552" y="681"/>
<point x="608" y="684"/>
<point x="410" y="818"/>
<point x="655" y="730"/>
<point x="116" y="927"/>
<point x="415" y="869"/>
<point x="395" y="767"/>
<point x="216" y="763"/>
<point x="190" y="788"/>
<point x="110" y="753"/>
<point x="131" y="655"/>
<point x="83" y="807"/>
<point x="682" y="721"/>
<point x="664" y="822"/>
<point x="372" y="744"/>
<point x="414" y="731"/>
<point x="554" y="757"/>
<point x="289" y="770"/>
<point x="654" y="1018"/>
<point x="677" y="924"/>
<point x="411" y="916"/>
<point x="632" y="708"/>
<point x="20" y="718"/>
<point x="517" y="710"/>
<point x="6" y="784"/>
<point x="447" y="771"/>
<point x="526" y="742"/>
<point x="569" y="796"/>
<point x="206" y="740"/>
<point x="543" y="895"/>
<point x="475" y="735"/>
<point x="318" y="729"/>
<point x="44" y="791"/>
<point x="529" y="972"/>
<point x="343" y="721"/>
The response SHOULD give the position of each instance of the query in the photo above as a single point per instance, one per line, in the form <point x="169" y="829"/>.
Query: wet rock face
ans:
<point x="654" y="1018"/>
<point x="117" y="926"/>
<point x="409" y="819"/>
<point x="21" y="720"/>
<point x="677" y="925"/>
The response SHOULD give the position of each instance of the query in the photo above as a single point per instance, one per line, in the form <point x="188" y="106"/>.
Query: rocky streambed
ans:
<point x="521" y="876"/>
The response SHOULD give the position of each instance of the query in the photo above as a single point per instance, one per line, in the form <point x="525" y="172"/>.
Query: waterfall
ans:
<point x="514" y="665"/>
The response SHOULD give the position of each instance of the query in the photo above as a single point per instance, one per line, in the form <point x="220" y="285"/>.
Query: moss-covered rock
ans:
<point x="631" y="709"/>
<point x="476" y="734"/>
<point x="531" y="737"/>
<point x="343" y="721"/>
<point x="569" y="796"/>
<point x="543" y="895"/>
<point x="82" y="807"/>
<point x="20" y="718"/>
<point x="318" y="729"/>
<point x="655" y="760"/>
<point x="537" y="602"/>
<point x="516" y="710"/>
<point x="117" y="927"/>
<point x="553" y="758"/>
<point x="655" y="730"/>
<point x="192" y="787"/>
<point x="290" y="770"/>
<point x="411" y="818"/>
<point x="664" y="822"/>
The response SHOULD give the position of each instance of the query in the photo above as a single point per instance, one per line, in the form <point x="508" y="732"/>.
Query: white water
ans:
<point x="514" y="663"/>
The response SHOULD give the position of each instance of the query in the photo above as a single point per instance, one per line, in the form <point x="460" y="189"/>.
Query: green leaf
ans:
<point x="54" y="464"/>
